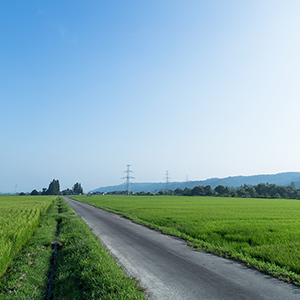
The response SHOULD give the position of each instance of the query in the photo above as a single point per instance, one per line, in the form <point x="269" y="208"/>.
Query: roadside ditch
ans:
<point x="56" y="246"/>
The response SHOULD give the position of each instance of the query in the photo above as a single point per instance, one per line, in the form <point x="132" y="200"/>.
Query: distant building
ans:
<point x="67" y="192"/>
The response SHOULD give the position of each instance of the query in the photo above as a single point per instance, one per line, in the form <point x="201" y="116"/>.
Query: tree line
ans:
<point x="54" y="189"/>
<point x="262" y="190"/>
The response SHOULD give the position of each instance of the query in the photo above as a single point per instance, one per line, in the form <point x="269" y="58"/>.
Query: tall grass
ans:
<point x="80" y="269"/>
<point x="19" y="217"/>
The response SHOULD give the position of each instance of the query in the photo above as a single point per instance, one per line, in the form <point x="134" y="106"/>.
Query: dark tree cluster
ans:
<point x="144" y="194"/>
<point x="262" y="190"/>
<point x="53" y="189"/>
<point x="76" y="190"/>
<point x="117" y="193"/>
<point x="125" y="193"/>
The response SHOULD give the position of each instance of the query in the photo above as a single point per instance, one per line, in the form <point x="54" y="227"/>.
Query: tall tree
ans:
<point x="53" y="188"/>
<point x="77" y="188"/>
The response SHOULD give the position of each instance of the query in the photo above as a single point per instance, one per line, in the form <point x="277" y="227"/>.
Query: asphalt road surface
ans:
<point x="169" y="270"/>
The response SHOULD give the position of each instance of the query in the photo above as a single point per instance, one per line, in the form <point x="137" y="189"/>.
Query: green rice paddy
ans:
<point x="19" y="218"/>
<point x="82" y="267"/>
<point x="264" y="233"/>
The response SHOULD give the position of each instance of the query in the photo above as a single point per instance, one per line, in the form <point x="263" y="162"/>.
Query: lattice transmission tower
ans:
<point x="167" y="178"/>
<point x="128" y="177"/>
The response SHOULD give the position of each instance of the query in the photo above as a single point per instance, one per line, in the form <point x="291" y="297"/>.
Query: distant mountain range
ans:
<point x="284" y="179"/>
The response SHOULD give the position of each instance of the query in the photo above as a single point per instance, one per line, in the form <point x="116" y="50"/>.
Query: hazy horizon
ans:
<point x="133" y="181"/>
<point x="201" y="89"/>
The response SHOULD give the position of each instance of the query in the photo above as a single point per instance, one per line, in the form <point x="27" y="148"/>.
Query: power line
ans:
<point x="128" y="177"/>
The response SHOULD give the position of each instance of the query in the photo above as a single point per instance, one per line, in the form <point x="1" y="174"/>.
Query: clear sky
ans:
<point x="199" y="88"/>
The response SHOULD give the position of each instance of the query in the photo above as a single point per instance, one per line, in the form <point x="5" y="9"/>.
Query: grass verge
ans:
<point x="83" y="269"/>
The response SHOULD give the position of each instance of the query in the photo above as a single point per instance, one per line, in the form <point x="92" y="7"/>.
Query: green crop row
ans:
<point x="257" y="230"/>
<point x="19" y="217"/>
<point x="81" y="268"/>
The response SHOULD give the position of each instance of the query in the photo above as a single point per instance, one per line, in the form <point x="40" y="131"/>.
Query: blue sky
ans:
<point x="199" y="88"/>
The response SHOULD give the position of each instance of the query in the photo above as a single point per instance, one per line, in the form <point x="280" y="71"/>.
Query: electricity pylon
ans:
<point x="167" y="180"/>
<point x="128" y="177"/>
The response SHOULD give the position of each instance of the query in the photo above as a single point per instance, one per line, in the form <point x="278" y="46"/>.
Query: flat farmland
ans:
<point x="263" y="233"/>
<point x="46" y="252"/>
<point x="19" y="217"/>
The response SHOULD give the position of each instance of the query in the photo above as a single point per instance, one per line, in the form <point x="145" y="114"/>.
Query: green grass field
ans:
<point x="19" y="218"/>
<point x="264" y="233"/>
<point x="82" y="268"/>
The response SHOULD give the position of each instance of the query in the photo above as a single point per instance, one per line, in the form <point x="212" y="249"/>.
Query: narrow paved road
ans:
<point x="168" y="269"/>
